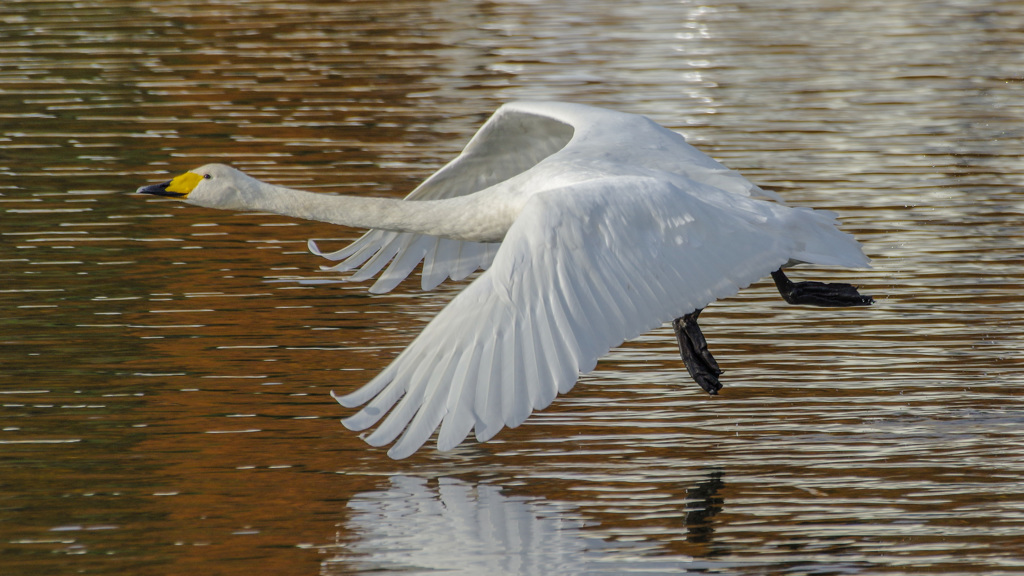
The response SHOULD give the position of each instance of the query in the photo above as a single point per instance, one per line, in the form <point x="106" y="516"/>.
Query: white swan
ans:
<point x="597" y="226"/>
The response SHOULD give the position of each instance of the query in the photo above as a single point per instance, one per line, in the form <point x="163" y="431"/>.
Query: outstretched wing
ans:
<point x="509" y="143"/>
<point x="401" y="252"/>
<point x="580" y="271"/>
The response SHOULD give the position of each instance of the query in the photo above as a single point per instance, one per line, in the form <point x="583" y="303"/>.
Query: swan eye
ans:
<point x="207" y="176"/>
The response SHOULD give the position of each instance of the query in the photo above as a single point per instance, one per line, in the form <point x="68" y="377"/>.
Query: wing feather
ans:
<point x="410" y="252"/>
<point x="380" y="259"/>
<point x="535" y="360"/>
<point x="487" y="407"/>
<point x="432" y="409"/>
<point x="509" y="378"/>
<point x="460" y="405"/>
<point x="435" y="268"/>
<point x="399" y="416"/>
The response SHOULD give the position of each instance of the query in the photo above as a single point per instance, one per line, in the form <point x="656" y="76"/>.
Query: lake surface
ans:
<point x="165" y="369"/>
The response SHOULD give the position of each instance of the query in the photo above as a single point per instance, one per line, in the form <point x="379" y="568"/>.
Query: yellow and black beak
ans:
<point x="178" y="187"/>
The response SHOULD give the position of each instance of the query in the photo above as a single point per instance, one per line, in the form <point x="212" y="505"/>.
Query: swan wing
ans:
<point x="580" y="271"/>
<point x="401" y="252"/>
<point x="512" y="141"/>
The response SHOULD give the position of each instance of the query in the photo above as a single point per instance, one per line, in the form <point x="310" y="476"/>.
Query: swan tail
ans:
<point x="818" y="240"/>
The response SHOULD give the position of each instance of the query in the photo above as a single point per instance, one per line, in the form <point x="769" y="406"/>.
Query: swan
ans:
<point x="594" y="226"/>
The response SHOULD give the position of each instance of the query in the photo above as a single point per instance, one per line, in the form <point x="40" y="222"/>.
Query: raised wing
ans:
<point x="401" y="252"/>
<point x="580" y="271"/>
<point x="509" y="143"/>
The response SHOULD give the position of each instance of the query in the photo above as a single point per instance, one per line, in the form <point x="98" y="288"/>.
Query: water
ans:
<point x="165" y="368"/>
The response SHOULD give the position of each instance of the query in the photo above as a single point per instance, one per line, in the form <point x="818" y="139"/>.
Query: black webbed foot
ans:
<point x="693" y="348"/>
<point x="819" y="293"/>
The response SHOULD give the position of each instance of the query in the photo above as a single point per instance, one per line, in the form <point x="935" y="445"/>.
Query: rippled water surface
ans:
<point x="165" y="369"/>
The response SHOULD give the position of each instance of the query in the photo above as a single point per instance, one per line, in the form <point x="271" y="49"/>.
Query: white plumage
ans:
<point x="596" y="226"/>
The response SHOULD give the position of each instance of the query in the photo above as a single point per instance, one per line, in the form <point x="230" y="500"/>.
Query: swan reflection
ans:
<point x="703" y="502"/>
<point x="417" y="526"/>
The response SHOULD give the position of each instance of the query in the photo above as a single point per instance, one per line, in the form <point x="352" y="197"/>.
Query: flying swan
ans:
<point x="593" y="226"/>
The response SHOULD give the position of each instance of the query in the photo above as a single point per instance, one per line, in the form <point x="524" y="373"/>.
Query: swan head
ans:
<point x="211" y="186"/>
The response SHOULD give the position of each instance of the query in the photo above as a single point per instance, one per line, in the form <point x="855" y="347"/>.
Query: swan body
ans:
<point x="594" y="226"/>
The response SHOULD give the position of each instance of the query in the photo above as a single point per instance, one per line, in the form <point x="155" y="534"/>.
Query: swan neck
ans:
<point x="459" y="218"/>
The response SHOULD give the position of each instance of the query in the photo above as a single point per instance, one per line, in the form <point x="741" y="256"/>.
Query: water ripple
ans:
<point x="137" y="331"/>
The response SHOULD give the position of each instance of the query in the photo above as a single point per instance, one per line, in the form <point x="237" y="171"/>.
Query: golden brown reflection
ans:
<point x="164" y="370"/>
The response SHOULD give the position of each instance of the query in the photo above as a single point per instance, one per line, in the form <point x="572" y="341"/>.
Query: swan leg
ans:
<point x="819" y="293"/>
<point x="693" y="348"/>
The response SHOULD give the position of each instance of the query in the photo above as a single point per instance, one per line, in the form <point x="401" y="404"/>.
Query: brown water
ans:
<point x="164" y="369"/>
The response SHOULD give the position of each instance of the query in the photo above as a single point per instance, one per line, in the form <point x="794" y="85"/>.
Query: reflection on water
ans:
<point x="459" y="528"/>
<point x="164" y="370"/>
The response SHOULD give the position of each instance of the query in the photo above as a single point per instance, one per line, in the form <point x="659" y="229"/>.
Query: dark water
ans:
<point x="164" y="369"/>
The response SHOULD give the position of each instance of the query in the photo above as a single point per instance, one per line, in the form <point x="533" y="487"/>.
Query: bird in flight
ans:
<point x="593" y="226"/>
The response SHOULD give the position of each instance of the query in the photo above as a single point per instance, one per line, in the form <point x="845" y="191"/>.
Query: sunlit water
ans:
<point x="164" y="369"/>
